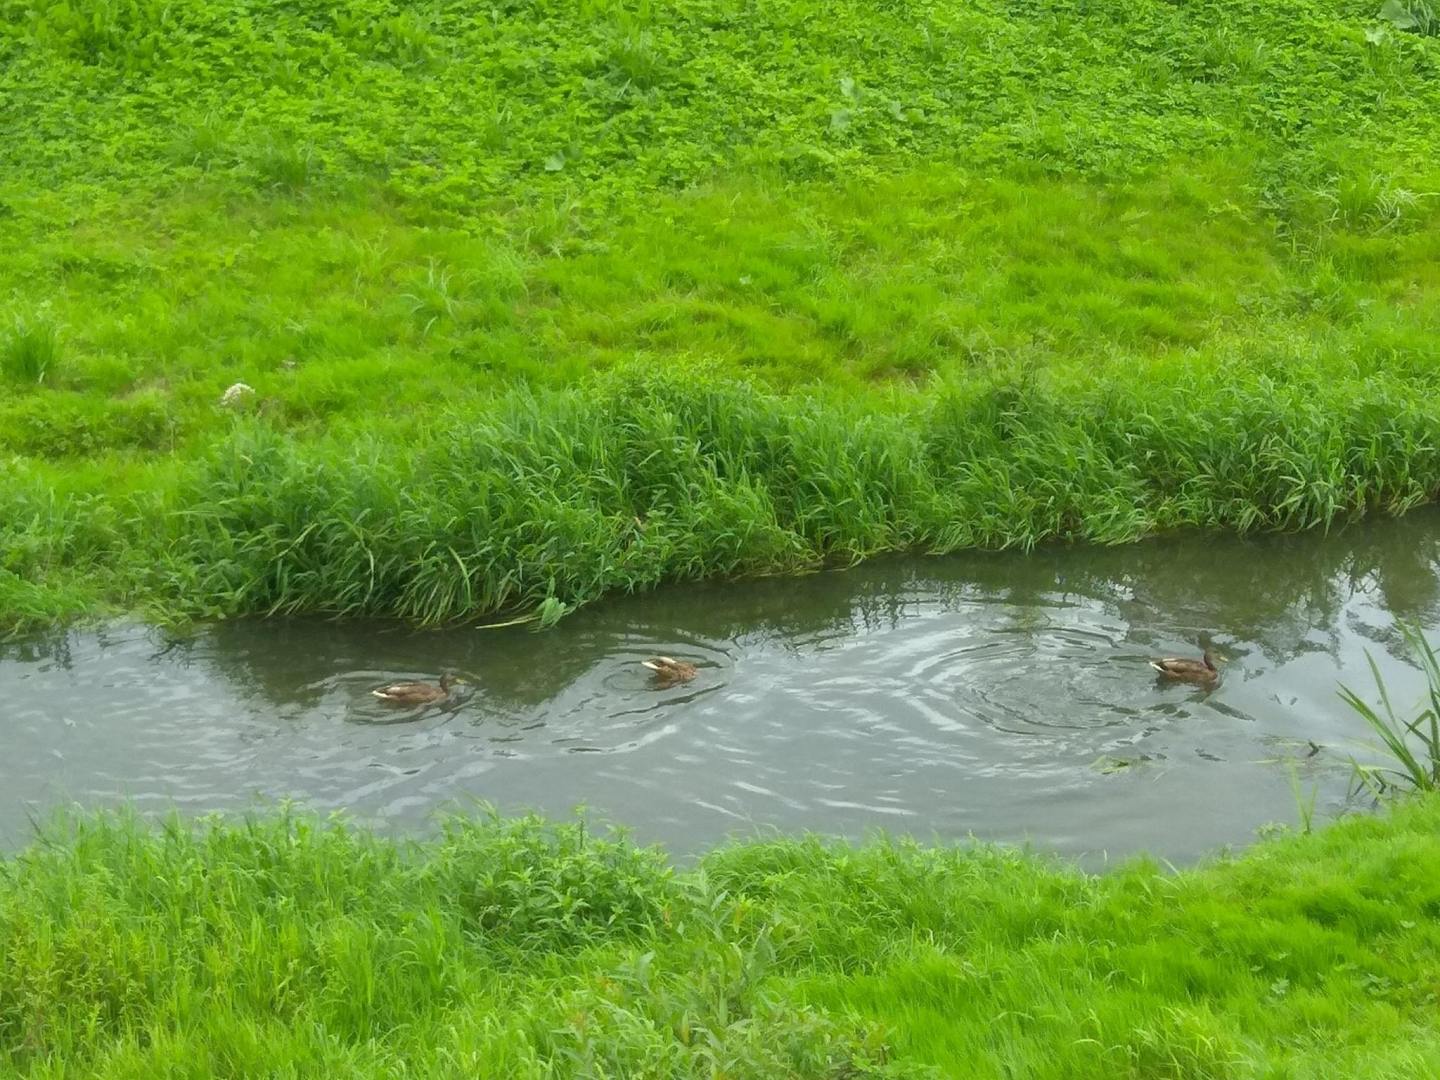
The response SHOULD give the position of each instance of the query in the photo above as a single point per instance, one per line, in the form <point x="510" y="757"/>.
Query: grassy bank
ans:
<point x="512" y="948"/>
<point x="414" y="228"/>
<point x="553" y="499"/>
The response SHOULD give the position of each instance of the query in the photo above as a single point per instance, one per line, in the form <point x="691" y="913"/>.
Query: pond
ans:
<point x="1001" y="695"/>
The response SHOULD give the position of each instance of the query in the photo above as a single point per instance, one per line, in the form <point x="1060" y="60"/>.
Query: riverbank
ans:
<point x="515" y="948"/>
<point x="986" y="277"/>
<point x="551" y="499"/>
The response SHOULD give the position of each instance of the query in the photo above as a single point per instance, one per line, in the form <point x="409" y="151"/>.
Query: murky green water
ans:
<point x="1005" y="696"/>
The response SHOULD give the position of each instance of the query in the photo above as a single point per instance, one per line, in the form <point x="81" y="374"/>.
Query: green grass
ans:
<point x="282" y="946"/>
<point x="402" y="223"/>
<point x="560" y="496"/>
<point x="640" y="478"/>
<point x="29" y="352"/>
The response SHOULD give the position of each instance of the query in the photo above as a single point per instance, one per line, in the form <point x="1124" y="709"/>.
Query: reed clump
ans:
<point x="1410" y="747"/>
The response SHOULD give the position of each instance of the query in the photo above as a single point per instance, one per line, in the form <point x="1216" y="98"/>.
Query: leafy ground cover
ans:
<point x="408" y="225"/>
<point x="283" y="946"/>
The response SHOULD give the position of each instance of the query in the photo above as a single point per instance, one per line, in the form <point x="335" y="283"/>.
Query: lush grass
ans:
<point x="410" y="226"/>
<point x="29" y="352"/>
<point x="555" y="498"/>
<point x="341" y="308"/>
<point x="283" y="947"/>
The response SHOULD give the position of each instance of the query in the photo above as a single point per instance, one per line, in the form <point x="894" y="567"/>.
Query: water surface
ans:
<point x="1004" y="696"/>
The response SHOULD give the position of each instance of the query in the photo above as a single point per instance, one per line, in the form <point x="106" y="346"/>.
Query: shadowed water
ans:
<point x="1001" y="695"/>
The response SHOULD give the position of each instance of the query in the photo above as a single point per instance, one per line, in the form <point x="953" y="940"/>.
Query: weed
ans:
<point x="1373" y="202"/>
<point x="30" y="351"/>
<point x="1413" y="745"/>
<point x="283" y="163"/>
<point x="410" y="38"/>
<point x="1418" y="16"/>
<point x="632" y="57"/>
<point x="1304" y="802"/>
<point x="203" y="142"/>
<point x="433" y="298"/>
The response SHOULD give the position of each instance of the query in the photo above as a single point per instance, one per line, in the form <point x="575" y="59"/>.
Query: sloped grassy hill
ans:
<point x="541" y="300"/>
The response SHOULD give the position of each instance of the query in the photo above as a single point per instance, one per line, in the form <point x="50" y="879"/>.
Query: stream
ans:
<point x="1000" y="695"/>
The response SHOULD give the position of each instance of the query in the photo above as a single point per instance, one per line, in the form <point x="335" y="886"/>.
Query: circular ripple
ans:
<point x="617" y="705"/>
<point x="978" y="690"/>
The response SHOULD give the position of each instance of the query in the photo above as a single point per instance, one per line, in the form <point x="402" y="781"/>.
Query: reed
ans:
<point x="1412" y="746"/>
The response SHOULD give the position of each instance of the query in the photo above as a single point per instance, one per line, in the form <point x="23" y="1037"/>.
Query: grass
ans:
<point x="962" y="233"/>
<point x="29" y="351"/>
<point x="642" y="478"/>
<point x="558" y="497"/>
<point x="542" y="301"/>
<point x="280" y="945"/>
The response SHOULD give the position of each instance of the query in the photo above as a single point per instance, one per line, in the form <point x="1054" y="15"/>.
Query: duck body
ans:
<point x="415" y="693"/>
<point x="1184" y="669"/>
<point x="669" y="671"/>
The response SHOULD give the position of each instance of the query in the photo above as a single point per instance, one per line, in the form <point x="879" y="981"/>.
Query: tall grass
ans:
<point x="280" y="945"/>
<point x="506" y="948"/>
<point x="550" y="499"/>
<point x="29" y="350"/>
<point x="1411" y="745"/>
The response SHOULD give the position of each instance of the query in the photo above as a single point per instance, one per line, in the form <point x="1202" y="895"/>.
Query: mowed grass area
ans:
<point x="421" y="226"/>
<point x="281" y="946"/>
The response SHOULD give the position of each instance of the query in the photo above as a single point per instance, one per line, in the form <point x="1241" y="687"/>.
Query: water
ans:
<point x="1003" y="696"/>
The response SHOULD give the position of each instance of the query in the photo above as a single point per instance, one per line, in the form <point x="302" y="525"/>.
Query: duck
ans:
<point x="415" y="693"/>
<point x="1185" y="669"/>
<point x="669" y="671"/>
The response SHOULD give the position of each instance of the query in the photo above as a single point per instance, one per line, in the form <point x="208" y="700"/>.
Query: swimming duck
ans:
<point x="415" y="693"/>
<point x="669" y="672"/>
<point x="1183" y="669"/>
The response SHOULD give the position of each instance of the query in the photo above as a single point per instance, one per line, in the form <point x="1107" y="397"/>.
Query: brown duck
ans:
<point x="669" y="671"/>
<point x="1202" y="672"/>
<point x="415" y="693"/>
